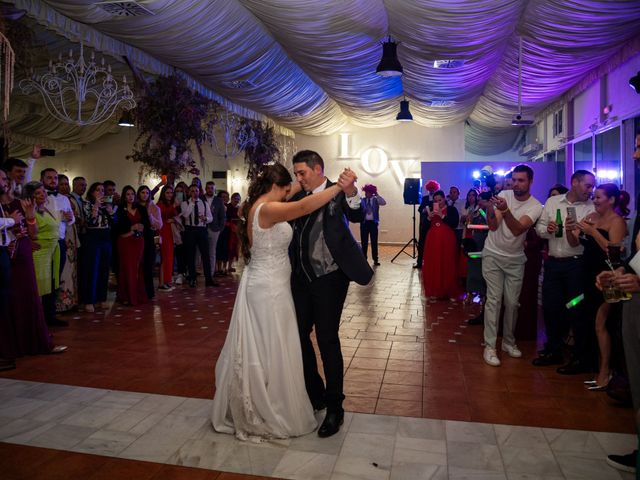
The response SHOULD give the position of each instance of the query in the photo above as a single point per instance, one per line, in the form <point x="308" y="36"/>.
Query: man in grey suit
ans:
<point x="218" y="211"/>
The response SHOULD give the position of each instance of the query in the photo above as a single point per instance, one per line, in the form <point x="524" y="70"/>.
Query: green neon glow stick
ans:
<point x="575" y="301"/>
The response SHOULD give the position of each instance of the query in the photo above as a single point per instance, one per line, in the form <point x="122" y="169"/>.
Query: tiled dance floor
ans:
<point x="177" y="431"/>
<point x="402" y="357"/>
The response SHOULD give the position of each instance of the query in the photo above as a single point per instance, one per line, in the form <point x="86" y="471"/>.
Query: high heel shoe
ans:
<point x="599" y="388"/>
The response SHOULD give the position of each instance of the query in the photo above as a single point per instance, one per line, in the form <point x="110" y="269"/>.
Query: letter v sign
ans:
<point x="405" y="168"/>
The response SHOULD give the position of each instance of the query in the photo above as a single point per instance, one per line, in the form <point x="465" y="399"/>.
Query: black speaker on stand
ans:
<point x="412" y="196"/>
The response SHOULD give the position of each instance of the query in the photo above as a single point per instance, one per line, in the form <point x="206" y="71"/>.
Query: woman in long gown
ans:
<point x="439" y="267"/>
<point x="67" y="294"/>
<point x="149" y="234"/>
<point x="132" y="222"/>
<point x="169" y="214"/>
<point x="600" y="229"/>
<point x="31" y="331"/>
<point x="260" y="389"/>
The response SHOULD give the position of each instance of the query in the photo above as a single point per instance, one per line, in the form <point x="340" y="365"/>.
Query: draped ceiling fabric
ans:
<point x="310" y="65"/>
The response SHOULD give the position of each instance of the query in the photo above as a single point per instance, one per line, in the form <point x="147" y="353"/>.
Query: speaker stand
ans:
<point x="413" y="242"/>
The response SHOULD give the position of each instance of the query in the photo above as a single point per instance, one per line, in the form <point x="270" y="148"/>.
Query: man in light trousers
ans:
<point x="509" y="216"/>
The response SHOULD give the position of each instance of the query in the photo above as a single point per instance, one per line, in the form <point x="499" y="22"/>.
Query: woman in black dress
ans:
<point x="600" y="229"/>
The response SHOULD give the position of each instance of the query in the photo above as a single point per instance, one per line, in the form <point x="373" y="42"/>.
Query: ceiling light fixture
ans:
<point x="126" y="120"/>
<point x="634" y="82"/>
<point x="78" y="92"/>
<point x="389" y="65"/>
<point x="404" y="115"/>
<point x="519" y="120"/>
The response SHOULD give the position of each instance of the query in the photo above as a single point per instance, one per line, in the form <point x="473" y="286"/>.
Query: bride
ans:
<point x="260" y="389"/>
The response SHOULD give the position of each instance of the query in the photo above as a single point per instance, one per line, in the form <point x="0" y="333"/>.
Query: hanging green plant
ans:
<point x="264" y="149"/>
<point x="169" y="117"/>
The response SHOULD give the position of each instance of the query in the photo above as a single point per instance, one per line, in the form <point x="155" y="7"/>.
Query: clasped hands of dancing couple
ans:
<point x="300" y="258"/>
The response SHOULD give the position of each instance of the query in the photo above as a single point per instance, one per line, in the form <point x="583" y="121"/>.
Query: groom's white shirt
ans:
<point x="353" y="202"/>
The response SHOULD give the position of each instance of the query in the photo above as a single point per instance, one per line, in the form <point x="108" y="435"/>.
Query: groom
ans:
<point x="324" y="259"/>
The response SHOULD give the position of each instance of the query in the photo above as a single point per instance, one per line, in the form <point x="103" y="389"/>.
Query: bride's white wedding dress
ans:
<point x="260" y="390"/>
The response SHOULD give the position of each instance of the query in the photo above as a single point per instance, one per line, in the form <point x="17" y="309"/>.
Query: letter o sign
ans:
<point x="374" y="160"/>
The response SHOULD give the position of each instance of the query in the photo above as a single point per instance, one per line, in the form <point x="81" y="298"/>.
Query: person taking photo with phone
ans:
<point x="564" y="272"/>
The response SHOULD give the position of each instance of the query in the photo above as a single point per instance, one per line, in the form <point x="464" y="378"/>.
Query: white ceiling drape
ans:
<point x="310" y="65"/>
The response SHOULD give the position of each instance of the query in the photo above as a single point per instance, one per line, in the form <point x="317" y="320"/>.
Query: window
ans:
<point x="557" y="123"/>
<point x="607" y="157"/>
<point x="583" y="155"/>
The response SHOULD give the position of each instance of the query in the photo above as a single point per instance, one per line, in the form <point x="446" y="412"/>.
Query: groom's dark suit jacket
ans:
<point x="335" y="226"/>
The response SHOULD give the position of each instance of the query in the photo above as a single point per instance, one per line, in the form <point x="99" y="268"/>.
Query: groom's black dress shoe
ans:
<point x="331" y="424"/>
<point x="319" y="405"/>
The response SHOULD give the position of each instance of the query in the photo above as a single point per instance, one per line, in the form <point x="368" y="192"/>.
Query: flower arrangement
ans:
<point x="264" y="149"/>
<point x="169" y="117"/>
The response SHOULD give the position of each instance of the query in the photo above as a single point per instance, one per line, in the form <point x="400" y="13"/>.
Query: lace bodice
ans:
<point x="270" y="245"/>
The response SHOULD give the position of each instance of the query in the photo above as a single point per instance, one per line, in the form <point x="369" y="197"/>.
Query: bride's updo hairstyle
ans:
<point x="269" y="175"/>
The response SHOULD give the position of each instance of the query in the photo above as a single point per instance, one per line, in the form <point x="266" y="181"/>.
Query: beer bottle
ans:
<point x="559" y="223"/>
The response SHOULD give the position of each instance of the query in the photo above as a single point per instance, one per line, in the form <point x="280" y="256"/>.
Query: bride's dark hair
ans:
<point x="269" y="175"/>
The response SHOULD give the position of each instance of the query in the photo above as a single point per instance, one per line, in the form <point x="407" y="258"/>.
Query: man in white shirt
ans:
<point x="196" y="215"/>
<point x="564" y="274"/>
<point x="509" y="216"/>
<point x="21" y="172"/>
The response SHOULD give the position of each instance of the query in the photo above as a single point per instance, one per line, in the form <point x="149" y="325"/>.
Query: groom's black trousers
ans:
<point x="319" y="304"/>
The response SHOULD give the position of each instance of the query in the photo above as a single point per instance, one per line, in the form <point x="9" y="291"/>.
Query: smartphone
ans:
<point x="436" y="208"/>
<point x="180" y="196"/>
<point x="47" y="152"/>
<point x="108" y="199"/>
<point x="571" y="214"/>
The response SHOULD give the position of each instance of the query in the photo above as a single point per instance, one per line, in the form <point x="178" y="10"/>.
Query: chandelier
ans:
<point x="236" y="134"/>
<point x="78" y="92"/>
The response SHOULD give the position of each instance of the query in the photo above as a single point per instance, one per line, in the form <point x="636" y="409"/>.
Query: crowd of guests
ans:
<point x="483" y="243"/>
<point x="61" y="240"/>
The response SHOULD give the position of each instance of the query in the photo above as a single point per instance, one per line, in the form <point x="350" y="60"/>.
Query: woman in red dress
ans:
<point x="440" y="265"/>
<point x="169" y="213"/>
<point x="132" y="221"/>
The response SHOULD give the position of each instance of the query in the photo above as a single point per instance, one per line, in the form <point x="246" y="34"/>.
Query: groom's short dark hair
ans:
<point x="309" y="157"/>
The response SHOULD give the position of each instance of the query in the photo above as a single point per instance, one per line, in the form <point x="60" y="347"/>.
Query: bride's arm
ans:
<point x="275" y="212"/>
<point x="295" y="188"/>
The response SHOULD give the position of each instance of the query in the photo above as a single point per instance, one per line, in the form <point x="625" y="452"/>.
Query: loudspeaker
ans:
<point x="412" y="194"/>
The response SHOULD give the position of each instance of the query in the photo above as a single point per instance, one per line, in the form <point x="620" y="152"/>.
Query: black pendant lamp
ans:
<point x="404" y="115"/>
<point x="389" y="65"/>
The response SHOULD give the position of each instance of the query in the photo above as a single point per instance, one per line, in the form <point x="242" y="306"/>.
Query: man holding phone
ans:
<point x="564" y="276"/>
<point x="510" y="214"/>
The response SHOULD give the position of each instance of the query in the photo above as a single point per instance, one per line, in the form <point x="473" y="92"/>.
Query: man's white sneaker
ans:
<point x="179" y="279"/>
<point x="490" y="357"/>
<point x="512" y="350"/>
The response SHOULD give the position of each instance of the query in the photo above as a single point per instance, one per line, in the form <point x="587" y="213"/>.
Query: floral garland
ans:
<point x="169" y="117"/>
